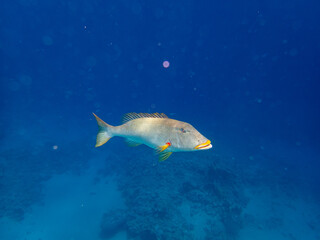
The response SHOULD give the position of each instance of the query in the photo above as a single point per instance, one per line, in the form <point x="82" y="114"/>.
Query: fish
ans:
<point x="155" y="130"/>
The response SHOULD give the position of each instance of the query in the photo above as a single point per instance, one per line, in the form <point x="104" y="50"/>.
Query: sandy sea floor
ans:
<point x="72" y="209"/>
<point x="73" y="205"/>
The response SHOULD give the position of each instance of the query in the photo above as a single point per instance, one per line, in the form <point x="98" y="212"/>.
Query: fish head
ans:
<point x="187" y="138"/>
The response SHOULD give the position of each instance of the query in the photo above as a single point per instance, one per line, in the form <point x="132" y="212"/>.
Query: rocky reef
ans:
<point x="185" y="197"/>
<point x="188" y="196"/>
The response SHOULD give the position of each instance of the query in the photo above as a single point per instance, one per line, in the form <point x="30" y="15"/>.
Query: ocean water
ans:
<point x="244" y="73"/>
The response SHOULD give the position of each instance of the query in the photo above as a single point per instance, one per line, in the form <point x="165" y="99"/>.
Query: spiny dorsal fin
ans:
<point x="130" y="116"/>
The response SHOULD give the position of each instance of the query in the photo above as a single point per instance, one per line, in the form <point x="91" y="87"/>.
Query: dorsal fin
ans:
<point x="130" y="116"/>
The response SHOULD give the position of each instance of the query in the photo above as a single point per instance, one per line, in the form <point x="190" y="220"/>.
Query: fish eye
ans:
<point x="183" y="130"/>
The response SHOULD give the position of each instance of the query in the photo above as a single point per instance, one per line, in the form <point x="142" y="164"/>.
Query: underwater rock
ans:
<point x="166" y="200"/>
<point x="113" y="222"/>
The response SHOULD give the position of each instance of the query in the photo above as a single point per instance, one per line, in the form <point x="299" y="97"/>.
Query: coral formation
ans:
<point x="112" y="222"/>
<point x="179" y="199"/>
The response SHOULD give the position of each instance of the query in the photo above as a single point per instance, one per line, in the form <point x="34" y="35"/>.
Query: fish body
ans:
<point x="156" y="131"/>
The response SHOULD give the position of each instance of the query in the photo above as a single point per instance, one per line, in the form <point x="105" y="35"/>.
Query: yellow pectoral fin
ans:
<point x="161" y="151"/>
<point x="164" y="155"/>
<point x="162" y="148"/>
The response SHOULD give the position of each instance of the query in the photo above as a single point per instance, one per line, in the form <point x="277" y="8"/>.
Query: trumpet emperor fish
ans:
<point x="155" y="130"/>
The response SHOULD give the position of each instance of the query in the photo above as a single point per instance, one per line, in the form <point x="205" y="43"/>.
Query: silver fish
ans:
<point x="155" y="130"/>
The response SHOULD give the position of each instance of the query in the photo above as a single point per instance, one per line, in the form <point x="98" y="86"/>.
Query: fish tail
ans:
<point x="104" y="133"/>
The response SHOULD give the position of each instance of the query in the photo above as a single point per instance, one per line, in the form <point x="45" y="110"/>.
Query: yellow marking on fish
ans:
<point x="203" y="145"/>
<point x="164" y="147"/>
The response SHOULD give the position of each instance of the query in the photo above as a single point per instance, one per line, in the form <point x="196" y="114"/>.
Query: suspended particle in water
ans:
<point x="165" y="64"/>
<point x="55" y="147"/>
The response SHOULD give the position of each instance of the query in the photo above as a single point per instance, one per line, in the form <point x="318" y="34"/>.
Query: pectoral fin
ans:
<point x="163" y="155"/>
<point x="162" y="148"/>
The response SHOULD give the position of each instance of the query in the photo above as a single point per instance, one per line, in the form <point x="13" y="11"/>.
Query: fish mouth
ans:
<point x="203" y="146"/>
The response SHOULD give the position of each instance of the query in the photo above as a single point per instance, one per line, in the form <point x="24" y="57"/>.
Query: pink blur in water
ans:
<point x="165" y="64"/>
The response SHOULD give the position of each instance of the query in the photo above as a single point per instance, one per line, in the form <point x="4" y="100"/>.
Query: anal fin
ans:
<point x="132" y="143"/>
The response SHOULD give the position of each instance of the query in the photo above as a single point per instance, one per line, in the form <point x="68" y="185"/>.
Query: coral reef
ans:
<point x="187" y="197"/>
<point x="113" y="222"/>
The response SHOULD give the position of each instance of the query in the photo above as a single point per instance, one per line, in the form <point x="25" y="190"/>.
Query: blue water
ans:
<point x="245" y="74"/>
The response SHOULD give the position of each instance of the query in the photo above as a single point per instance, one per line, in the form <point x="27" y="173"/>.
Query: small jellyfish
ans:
<point x="165" y="64"/>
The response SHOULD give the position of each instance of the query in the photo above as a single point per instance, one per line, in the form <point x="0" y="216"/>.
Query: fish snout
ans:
<point x="203" y="146"/>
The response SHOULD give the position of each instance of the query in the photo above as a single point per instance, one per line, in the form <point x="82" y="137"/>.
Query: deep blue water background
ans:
<point x="244" y="73"/>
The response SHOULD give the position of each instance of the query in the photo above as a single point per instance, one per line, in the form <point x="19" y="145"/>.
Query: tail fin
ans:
<point x="104" y="132"/>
